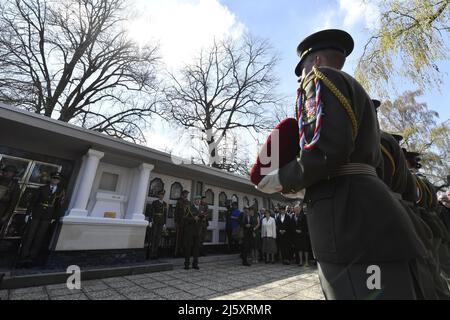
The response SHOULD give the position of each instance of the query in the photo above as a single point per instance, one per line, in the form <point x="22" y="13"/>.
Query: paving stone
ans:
<point x="186" y="286"/>
<point x="154" y="285"/>
<point x="120" y="284"/>
<point x="76" y="296"/>
<point x="93" y="288"/>
<point x="179" y="295"/>
<point x="166" y="291"/>
<point x="56" y="286"/>
<point x="174" y="282"/>
<point x="27" y="291"/>
<point x="4" y="294"/>
<point x="30" y="296"/>
<point x="140" y="295"/>
<point x="202" y="292"/>
<point x="105" y="295"/>
<point x="132" y="289"/>
<point x="61" y="292"/>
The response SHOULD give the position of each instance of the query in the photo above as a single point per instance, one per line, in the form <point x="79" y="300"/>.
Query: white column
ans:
<point x="85" y="182"/>
<point x="136" y="206"/>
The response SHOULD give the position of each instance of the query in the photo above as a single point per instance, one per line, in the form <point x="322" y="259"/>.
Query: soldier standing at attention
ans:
<point x="357" y="228"/>
<point x="45" y="210"/>
<point x="180" y="209"/>
<point x="158" y="216"/>
<point x="9" y="195"/>
<point x="403" y="187"/>
<point x="202" y="207"/>
<point x="191" y="234"/>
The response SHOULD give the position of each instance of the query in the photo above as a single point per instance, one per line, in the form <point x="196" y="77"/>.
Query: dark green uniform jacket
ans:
<point x="158" y="212"/>
<point x="352" y="218"/>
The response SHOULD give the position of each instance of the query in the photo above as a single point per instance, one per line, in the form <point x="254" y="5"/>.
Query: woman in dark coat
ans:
<point x="284" y="233"/>
<point x="301" y="240"/>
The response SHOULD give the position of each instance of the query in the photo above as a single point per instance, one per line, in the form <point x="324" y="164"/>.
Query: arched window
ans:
<point x="234" y="198"/>
<point x="175" y="190"/>
<point x="209" y="194"/>
<point x="246" y="202"/>
<point x="222" y="199"/>
<point x="255" y="204"/>
<point x="156" y="185"/>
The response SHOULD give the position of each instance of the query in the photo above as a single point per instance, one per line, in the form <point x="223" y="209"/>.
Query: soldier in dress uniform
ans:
<point x="44" y="210"/>
<point x="202" y="207"/>
<point x="354" y="222"/>
<point x="192" y="226"/>
<point x="427" y="208"/>
<point x="180" y="209"/>
<point x="403" y="186"/>
<point x="9" y="195"/>
<point x="157" y="219"/>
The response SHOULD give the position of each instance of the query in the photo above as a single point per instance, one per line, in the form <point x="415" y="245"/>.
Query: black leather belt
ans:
<point x="354" y="168"/>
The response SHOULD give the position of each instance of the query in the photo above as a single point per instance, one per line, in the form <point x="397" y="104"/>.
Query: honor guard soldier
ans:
<point x="353" y="220"/>
<point x="403" y="187"/>
<point x="192" y="226"/>
<point x="428" y="209"/>
<point x="44" y="209"/>
<point x="157" y="219"/>
<point x="202" y="207"/>
<point x="180" y="209"/>
<point x="9" y="195"/>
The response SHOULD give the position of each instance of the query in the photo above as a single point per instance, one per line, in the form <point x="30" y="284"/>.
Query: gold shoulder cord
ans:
<point x="429" y="193"/>
<point x="425" y="189"/>
<point x="391" y="158"/>
<point x="342" y="99"/>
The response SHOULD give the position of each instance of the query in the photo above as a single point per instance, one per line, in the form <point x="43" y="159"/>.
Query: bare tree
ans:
<point x="421" y="132"/>
<point x="228" y="87"/>
<point x="72" y="60"/>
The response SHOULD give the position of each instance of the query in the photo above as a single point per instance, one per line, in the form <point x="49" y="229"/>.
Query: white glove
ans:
<point x="270" y="183"/>
<point x="298" y="231"/>
<point x="150" y="224"/>
<point x="164" y="227"/>
<point x="300" y="194"/>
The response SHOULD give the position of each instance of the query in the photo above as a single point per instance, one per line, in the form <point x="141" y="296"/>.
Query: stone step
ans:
<point x="38" y="279"/>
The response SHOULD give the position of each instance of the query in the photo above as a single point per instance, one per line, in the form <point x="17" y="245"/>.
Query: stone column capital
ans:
<point x="95" y="153"/>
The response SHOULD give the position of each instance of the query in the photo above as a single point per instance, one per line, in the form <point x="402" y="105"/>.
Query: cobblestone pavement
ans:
<point x="219" y="280"/>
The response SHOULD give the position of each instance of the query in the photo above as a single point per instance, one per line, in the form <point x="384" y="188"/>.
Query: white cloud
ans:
<point x="182" y="27"/>
<point x="359" y="11"/>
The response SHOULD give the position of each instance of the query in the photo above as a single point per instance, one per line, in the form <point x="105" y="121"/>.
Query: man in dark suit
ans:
<point x="44" y="209"/>
<point x="360" y="234"/>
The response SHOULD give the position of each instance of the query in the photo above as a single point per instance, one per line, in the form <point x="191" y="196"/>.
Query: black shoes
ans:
<point x="186" y="267"/>
<point x="245" y="263"/>
<point x="196" y="267"/>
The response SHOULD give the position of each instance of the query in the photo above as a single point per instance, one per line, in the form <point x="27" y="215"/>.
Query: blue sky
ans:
<point x="286" y="22"/>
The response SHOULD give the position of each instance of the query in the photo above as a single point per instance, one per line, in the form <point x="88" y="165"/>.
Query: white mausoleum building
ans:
<point x="109" y="183"/>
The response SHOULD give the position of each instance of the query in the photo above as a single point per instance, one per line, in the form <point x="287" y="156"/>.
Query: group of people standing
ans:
<point x="270" y="236"/>
<point x="191" y="224"/>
